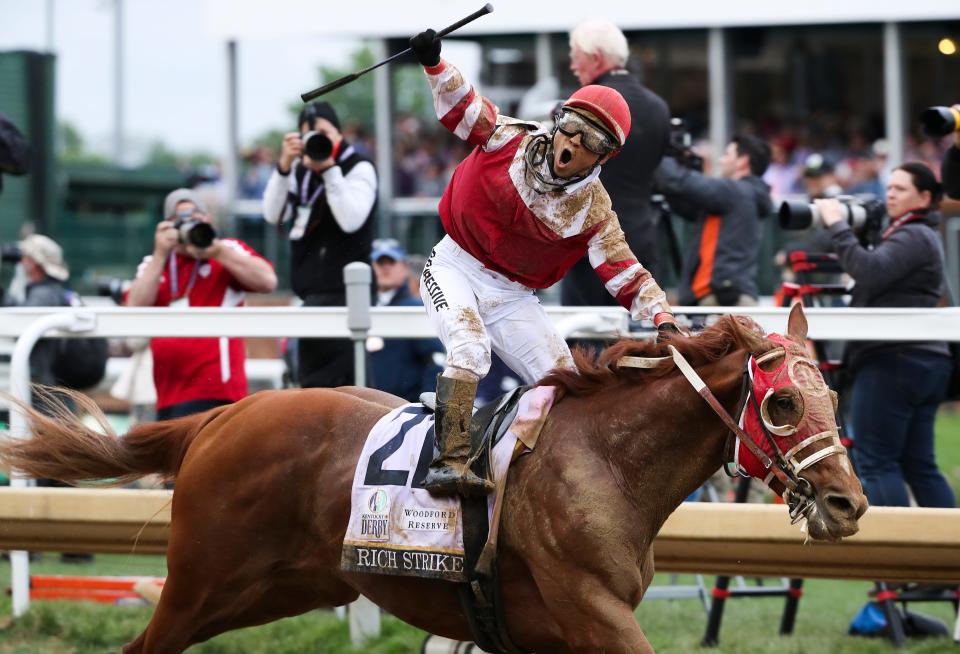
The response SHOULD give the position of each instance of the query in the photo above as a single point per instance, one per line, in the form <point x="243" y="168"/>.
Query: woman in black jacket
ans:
<point x="897" y="386"/>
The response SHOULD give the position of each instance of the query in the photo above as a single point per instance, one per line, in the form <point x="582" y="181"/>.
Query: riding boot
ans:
<point x="449" y="473"/>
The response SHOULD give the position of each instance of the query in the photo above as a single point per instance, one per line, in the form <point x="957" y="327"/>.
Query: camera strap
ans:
<point x="305" y="184"/>
<point x="303" y="190"/>
<point x="908" y="217"/>
<point x="174" y="282"/>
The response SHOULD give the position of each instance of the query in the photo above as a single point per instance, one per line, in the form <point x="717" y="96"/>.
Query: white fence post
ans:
<point x="364" y="614"/>
<point x="20" y="389"/>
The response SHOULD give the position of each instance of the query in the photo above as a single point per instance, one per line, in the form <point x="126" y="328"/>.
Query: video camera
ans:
<point x="864" y="214"/>
<point x="680" y="146"/>
<point x="191" y="231"/>
<point x="941" y="121"/>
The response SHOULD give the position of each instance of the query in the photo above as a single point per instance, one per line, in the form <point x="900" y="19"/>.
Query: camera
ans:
<point x="191" y="231"/>
<point x="111" y="288"/>
<point x="680" y="146"/>
<point x="941" y="121"/>
<point x="863" y="214"/>
<point x="10" y="253"/>
<point x="317" y="146"/>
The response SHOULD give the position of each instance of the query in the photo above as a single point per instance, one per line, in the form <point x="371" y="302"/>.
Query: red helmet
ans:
<point x="607" y="105"/>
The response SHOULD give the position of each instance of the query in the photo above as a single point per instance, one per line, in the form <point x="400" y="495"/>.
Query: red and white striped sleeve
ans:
<point x="459" y="107"/>
<point x="622" y="275"/>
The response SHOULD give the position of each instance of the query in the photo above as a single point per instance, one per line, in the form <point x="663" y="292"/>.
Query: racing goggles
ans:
<point x="592" y="136"/>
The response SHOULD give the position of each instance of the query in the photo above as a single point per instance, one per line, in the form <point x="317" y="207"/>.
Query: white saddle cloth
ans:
<point x="397" y="527"/>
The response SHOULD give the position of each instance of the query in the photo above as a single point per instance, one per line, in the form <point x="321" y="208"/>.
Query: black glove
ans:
<point x="667" y="330"/>
<point x="426" y="46"/>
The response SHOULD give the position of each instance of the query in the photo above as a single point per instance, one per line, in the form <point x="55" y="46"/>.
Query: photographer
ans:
<point x="324" y="194"/>
<point x="897" y="386"/>
<point x="191" y="267"/>
<point x="721" y="264"/>
<point x="598" y="55"/>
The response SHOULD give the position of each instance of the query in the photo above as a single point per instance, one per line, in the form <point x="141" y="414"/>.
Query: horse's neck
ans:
<point x="672" y="441"/>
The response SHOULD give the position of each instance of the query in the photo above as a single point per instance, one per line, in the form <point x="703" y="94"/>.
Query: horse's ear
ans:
<point x="797" y="324"/>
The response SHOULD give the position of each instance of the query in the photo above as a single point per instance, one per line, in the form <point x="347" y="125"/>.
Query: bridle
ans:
<point x="780" y="465"/>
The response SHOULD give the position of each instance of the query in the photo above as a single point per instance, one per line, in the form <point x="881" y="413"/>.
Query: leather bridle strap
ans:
<point x="701" y="387"/>
<point x="836" y="448"/>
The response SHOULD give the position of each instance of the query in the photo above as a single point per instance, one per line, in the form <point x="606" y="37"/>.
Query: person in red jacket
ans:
<point x="197" y="374"/>
<point x="519" y="211"/>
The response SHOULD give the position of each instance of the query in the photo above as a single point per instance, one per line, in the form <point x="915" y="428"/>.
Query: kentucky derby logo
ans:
<point x="378" y="502"/>
<point x="375" y="525"/>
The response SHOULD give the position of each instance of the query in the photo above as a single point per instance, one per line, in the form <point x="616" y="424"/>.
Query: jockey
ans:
<point x="519" y="211"/>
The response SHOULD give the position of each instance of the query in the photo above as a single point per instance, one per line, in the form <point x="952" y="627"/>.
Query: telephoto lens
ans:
<point x="795" y="216"/>
<point x="941" y="121"/>
<point x="317" y="146"/>
<point x="191" y="231"/>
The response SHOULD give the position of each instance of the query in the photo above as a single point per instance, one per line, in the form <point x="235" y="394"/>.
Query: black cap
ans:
<point x="816" y="165"/>
<point x="315" y="110"/>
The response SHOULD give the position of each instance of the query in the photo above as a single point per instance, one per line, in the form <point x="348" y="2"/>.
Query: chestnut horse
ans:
<point x="262" y="495"/>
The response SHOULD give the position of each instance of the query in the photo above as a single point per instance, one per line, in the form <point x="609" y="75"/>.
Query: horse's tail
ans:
<point x="62" y="447"/>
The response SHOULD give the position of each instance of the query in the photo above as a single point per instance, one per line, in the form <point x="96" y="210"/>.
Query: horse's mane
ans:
<point x="600" y="372"/>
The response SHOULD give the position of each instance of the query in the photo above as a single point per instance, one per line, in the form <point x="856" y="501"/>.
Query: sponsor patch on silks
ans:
<point x="396" y="526"/>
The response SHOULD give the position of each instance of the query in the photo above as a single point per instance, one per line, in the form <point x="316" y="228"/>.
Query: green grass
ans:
<point x="948" y="444"/>
<point x="673" y="627"/>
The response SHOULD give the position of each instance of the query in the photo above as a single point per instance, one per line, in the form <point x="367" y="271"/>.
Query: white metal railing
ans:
<point x="412" y="322"/>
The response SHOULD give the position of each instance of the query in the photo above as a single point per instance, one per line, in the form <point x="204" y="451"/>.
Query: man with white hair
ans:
<point x="598" y="55"/>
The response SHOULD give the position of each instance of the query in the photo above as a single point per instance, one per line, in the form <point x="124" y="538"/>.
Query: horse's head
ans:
<point x="790" y="414"/>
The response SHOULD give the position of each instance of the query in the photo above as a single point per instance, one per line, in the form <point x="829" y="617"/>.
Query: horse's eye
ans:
<point x="784" y="402"/>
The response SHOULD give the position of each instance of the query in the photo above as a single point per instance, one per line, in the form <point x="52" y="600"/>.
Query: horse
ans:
<point x="263" y="490"/>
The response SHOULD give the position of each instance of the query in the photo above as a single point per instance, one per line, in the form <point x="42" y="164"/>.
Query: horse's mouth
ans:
<point x="821" y="525"/>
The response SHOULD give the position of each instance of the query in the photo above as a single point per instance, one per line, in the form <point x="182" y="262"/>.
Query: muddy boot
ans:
<point x="449" y="474"/>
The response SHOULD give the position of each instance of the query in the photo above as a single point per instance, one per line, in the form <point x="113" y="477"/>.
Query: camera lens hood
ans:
<point x="940" y="121"/>
<point x="795" y="215"/>
<point x="317" y="146"/>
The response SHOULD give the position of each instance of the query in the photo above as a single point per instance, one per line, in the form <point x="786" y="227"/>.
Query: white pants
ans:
<point x="475" y="309"/>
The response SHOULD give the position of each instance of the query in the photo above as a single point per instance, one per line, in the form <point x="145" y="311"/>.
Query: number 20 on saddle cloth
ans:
<point x="396" y="526"/>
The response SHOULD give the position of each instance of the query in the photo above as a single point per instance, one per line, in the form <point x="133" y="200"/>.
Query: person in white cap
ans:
<point x="41" y="260"/>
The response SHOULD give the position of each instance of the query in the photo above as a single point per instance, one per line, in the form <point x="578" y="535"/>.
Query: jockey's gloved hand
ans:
<point x="667" y="326"/>
<point x="426" y="46"/>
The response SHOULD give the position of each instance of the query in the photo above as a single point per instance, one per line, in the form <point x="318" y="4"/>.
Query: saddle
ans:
<point x="481" y="596"/>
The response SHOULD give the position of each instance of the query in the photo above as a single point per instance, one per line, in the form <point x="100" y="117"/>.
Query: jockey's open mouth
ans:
<point x="566" y="156"/>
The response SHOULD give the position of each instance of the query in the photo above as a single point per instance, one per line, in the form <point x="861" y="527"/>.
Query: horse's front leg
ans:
<point x="591" y="617"/>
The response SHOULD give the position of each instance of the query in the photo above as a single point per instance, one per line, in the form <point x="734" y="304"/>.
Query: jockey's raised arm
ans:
<point x="459" y="107"/>
<point x="622" y="275"/>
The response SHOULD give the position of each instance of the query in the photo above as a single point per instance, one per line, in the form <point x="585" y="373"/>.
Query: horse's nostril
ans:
<point x="841" y="505"/>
